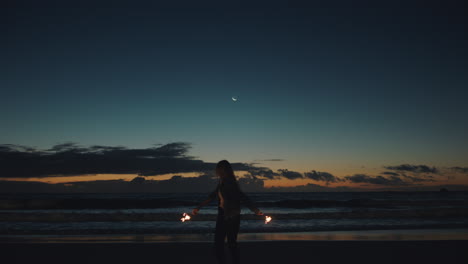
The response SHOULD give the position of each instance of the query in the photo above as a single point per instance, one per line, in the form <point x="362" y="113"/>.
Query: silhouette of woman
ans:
<point x="230" y="198"/>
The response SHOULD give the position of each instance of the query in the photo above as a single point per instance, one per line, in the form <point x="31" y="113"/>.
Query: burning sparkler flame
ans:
<point x="185" y="217"/>
<point x="267" y="219"/>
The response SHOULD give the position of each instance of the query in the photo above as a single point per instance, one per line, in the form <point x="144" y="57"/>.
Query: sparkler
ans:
<point x="185" y="217"/>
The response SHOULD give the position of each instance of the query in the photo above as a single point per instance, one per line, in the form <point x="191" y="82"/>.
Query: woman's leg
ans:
<point x="232" y="229"/>
<point x="220" y="234"/>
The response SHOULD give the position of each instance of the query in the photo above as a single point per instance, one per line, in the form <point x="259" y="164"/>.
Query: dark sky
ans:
<point x="334" y="86"/>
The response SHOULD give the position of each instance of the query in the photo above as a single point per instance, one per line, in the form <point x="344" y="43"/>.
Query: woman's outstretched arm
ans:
<point x="207" y="201"/>
<point x="249" y="203"/>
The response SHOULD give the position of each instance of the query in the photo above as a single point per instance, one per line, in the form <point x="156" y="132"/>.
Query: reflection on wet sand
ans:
<point x="429" y="234"/>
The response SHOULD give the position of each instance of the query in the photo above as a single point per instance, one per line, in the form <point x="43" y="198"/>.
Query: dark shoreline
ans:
<point x="270" y="252"/>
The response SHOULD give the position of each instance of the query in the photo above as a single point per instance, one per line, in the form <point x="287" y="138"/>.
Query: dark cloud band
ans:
<point x="70" y="159"/>
<point x="322" y="176"/>
<point x="379" y="180"/>
<point x="413" y="168"/>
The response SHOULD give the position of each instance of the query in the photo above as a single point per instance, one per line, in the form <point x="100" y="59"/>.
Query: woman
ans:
<point x="228" y="221"/>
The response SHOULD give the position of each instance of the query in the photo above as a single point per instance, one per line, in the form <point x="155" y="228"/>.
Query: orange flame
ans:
<point x="267" y="219"/>
<point x="185" y="217"/>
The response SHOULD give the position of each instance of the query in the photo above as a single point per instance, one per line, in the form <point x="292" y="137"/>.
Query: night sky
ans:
<point x="345" y="87"/>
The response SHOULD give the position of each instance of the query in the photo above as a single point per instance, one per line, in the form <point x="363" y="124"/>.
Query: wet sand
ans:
<point x="353" y="235"/>
<point x="271" y="252"/>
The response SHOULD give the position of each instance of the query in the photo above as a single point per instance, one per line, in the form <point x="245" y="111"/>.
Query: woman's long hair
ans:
<point x="224" y="170"/>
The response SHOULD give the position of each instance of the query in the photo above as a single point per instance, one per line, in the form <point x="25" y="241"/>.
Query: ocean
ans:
<point x="159" y="214"/>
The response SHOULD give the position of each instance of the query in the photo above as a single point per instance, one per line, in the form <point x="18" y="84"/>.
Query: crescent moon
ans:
<point x="234" y="98"/>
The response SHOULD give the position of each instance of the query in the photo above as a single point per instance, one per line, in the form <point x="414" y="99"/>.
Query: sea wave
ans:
<point x="439" y="213"/>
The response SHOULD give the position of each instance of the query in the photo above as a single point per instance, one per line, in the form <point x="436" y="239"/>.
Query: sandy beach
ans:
<point x="439" y="251"/>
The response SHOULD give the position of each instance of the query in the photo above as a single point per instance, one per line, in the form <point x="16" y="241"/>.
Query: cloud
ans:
<point x="251" y="184"/>
<point x="272" y="160"/>
<point x="263" y="172"/>
<point x="379" y="180"/>
<point x="69" y="159"/>
<point x="417" y="179"/>
<point x="310" y="187"/>
<point x="266" y="173"/>
<point x="413" y="168"/>
<point x="322" y="176"/>
<point x="14" y="147"/>
<point x="390" y="173"/>
<point x="291" y="175"/>
<point x="414" y="178"/>
<point x="460" y="169"/>
<point x="204" y="183"/>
